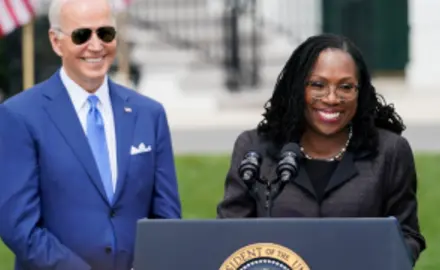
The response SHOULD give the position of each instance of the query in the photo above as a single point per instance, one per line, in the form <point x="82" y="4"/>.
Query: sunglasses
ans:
<point x="81" y="35"/>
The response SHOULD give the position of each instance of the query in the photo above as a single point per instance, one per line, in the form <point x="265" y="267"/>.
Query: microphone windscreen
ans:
<point x="253" y="154"/>
<point x="291" y="147"/>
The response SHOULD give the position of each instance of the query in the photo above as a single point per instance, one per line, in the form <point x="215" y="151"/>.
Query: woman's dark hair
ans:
<point x="284" y="119"/>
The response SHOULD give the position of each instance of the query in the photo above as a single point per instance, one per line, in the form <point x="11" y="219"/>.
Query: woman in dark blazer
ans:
<point x="354" y="161"/>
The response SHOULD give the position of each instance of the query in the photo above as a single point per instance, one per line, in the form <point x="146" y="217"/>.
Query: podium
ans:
<point x="271" y="244"/>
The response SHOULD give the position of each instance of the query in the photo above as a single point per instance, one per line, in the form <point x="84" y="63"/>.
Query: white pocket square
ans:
<point x="140" y="149"/>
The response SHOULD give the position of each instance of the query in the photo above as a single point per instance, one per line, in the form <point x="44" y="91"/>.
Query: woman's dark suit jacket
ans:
<point x="359" y="187"/>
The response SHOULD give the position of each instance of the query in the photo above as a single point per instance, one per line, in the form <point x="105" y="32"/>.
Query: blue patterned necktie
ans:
<point x="98" y="143"/>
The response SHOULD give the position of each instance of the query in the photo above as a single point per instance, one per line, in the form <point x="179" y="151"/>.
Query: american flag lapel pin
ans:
<point x="127" y="109"/>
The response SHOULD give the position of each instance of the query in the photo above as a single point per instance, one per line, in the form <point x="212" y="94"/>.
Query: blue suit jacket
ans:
<point x="53" y="208"/>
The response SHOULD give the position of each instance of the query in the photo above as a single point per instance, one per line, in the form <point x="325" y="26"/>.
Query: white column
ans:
<point x="423" y="71"/>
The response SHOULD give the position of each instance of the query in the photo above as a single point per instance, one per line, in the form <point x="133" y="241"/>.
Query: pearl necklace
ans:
<point x="338" y="155"/>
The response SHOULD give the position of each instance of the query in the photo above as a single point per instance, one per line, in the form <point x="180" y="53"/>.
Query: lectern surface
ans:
<point x="251" y="244"/>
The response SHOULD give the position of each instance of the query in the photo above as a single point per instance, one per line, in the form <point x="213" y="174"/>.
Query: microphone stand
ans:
<point x="273" y="190"/>
<point x="255" y="194"/>
<point x="253" y="191"/>
<point x="268" y="201"/>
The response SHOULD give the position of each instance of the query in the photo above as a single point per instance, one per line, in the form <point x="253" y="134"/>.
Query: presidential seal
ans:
<point x="264" y="256"/>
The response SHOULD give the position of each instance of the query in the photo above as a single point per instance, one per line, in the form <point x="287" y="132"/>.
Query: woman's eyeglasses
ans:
<point x="81" y="35"/>
<point x="343" y="91"/>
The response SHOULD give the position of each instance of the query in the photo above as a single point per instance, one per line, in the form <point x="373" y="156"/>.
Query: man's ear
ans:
<point x="55" y="41"/>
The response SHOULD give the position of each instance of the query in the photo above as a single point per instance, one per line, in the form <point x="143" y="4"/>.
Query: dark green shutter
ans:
<point x="378" y="27"/>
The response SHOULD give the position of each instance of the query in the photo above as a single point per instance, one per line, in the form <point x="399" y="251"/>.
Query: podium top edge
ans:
<point x="297" y="220"/>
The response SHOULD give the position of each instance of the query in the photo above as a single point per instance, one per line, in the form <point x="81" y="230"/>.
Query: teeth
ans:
<point x="93" y="60"/>
<point x="329" y="116"/>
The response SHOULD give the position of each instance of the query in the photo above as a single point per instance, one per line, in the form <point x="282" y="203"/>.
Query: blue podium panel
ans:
<point x="251" y="244"/>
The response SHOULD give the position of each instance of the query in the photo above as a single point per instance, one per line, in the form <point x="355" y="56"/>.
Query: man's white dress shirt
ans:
<point x="79" y="97"/>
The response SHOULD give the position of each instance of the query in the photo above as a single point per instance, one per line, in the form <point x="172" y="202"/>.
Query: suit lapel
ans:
<point x="345" y="171"/>
<point x="269" y="165"/>
<point x="60" y="109"/>
<point x="268" y="172"/>
<point x="303" y="181"/>
<point x="125" y="120"/>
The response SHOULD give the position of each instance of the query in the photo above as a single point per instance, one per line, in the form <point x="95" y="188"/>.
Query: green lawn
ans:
<point x="201" y="186"/>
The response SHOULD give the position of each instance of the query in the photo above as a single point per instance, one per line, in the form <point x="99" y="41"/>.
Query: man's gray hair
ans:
<point x="55" y="12"/>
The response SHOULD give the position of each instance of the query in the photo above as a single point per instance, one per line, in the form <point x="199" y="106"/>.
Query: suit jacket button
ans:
<point x="108" y="250"/>
<point x="112" y="213"/>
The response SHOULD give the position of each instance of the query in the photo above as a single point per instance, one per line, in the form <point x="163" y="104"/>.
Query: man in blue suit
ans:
<point x="81" y="157"/>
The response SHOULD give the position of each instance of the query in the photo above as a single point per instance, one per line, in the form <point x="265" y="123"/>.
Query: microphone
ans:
<point x="249" y="172"/>
<point x="287" y="168"/>
<point x="249" y="169"/>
